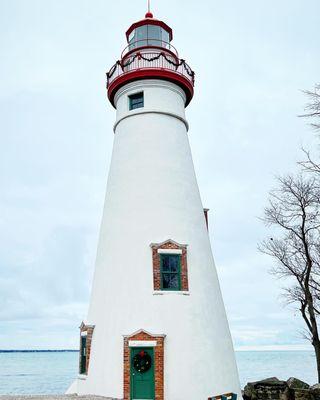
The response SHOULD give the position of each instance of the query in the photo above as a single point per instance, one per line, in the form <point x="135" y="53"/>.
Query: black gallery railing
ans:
<point x="149" y="42"/>
<point x="148" y="60"/>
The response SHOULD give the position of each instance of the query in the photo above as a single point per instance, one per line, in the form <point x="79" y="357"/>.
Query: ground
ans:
<point x="55" y="397"/>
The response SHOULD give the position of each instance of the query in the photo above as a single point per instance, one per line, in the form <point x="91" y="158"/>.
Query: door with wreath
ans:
<point x="142" y="373"/>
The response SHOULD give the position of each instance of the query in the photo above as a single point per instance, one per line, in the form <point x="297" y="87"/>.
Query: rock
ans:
<point x="248" y="391"/>
<point x="295" y="383"/>
<point x="267" y="389"/>
<point x="301" y="394"/>
<point x="299" y="390"/>
<point x="272" y="382"/>
<point x="315" y="392"/>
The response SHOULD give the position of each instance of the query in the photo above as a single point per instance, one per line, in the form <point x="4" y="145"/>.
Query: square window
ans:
<point x="136" y="101"/>
<point x="170" y="271"/>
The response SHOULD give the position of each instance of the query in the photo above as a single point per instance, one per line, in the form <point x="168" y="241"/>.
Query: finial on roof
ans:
<point x="149" y="13"/>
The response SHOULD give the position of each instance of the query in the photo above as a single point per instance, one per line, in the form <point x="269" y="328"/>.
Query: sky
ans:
<point x="252" y="60"/>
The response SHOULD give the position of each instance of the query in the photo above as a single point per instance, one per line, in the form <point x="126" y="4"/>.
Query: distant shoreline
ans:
<point x="236" y="350"/>
<point x="39" y="351"/>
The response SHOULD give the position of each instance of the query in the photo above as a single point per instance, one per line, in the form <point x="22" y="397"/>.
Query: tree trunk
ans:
<point x="316" y="345"/>
<point x="313" y="329"/>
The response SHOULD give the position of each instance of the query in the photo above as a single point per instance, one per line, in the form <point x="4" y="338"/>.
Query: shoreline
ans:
<point x="40" y="351"/>
<point x="236" y="351"/>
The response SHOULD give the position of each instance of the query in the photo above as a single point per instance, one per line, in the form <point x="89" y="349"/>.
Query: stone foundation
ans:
<point x="275" y="389"/>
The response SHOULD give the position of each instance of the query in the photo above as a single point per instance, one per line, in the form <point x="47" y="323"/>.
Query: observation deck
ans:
<point x="150" y="55"/>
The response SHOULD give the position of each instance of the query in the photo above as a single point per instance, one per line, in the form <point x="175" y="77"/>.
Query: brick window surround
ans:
<point x="169" y="245"/>
<point x="88" y="329"/>
<point x="158" y="362"/>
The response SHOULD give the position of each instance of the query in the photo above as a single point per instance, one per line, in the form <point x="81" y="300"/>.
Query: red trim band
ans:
<point x="150" y="73"/>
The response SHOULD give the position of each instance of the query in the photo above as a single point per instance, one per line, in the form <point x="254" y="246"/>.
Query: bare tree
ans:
<point x="309" y="164"/>
<point x="313" y="107"/>
<point x="294" y="208"/>
<point x="312" y="111"/>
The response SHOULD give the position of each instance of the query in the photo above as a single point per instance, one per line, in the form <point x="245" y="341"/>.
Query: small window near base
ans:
<point x="83" y="355"/>
<point x="86" y="334"/>
<point x="136" y="101"/>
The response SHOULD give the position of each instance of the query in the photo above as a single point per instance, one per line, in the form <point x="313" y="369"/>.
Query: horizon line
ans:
<point x="237" y="349"/>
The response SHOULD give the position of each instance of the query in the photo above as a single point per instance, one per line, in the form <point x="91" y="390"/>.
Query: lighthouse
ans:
<point x="156" y="326"/>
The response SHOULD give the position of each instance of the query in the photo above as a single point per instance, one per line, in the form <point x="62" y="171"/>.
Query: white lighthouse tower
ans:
<point x="156" y="327"/>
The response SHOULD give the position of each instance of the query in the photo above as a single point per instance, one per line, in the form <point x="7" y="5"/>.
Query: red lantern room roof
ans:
<point x="150" y="55"/>
<point x="149" y="20"/>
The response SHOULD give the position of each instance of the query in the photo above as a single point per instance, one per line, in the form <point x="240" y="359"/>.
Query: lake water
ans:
<point x="53" y="372"/>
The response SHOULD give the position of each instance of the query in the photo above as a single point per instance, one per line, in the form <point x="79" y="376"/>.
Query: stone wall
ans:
<point x="275" y="389"/>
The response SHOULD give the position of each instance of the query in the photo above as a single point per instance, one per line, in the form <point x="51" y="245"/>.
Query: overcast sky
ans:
<point x="251" y="59"/>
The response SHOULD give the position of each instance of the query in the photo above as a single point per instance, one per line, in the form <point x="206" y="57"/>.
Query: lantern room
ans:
<point x="149" y="54"/>
<point x="149" y="32"/>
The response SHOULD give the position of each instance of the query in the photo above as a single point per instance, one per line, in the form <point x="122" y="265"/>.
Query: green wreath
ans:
<point x="142" y="362"/>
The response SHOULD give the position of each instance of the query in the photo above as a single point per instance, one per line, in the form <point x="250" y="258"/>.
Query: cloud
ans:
<point x="56" y="140"/>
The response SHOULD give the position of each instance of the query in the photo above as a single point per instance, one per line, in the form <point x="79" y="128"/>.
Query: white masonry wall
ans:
<point x="152" y="195"/>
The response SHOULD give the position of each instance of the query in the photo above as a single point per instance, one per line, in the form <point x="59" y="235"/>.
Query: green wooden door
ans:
<point x="142" y="373"/>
